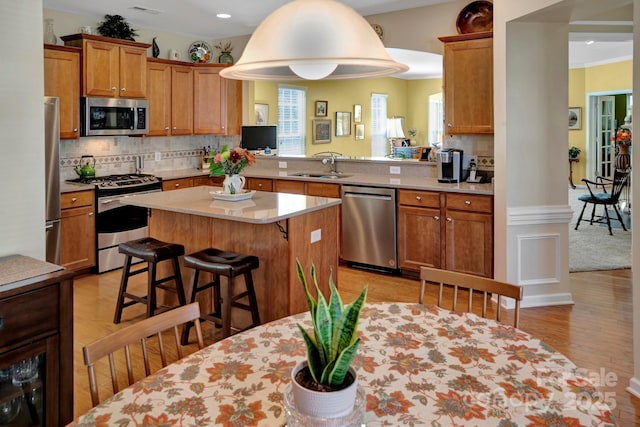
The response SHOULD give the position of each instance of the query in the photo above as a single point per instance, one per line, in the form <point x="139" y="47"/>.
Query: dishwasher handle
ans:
<point x="367" y="196"/>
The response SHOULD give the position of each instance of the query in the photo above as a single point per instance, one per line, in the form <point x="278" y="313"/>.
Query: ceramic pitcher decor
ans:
<point x="233" y="184"/>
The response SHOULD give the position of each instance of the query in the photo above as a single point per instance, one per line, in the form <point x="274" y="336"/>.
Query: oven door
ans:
<point x="117" y="223"/>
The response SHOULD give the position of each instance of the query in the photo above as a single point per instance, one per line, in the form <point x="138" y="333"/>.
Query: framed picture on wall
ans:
<point x="359" y="131"/>
<point x="575" y="118"/>
<point x="262" y="114"/>
<point x="357" y="113"/>
<point x="343" y="123"/>
<point x="321" y="108"/>
<point x="322" y="131"/>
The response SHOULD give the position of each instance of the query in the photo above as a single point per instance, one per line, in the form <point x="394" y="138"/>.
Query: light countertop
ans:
<point x="262" y="208"/>
<point x="14" y="268"/>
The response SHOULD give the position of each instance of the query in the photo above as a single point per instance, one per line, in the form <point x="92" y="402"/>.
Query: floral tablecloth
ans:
<point x="418" y="364"/>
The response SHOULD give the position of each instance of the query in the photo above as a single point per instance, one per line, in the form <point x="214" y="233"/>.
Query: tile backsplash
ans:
<point x="117" y="154"/>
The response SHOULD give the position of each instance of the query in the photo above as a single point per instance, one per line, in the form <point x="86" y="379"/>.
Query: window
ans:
<point x="436" y="118"/>
<point x="292" y="103"/>
<point x="379" y="146"/>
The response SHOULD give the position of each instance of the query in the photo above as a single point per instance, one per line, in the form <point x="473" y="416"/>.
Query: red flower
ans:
<point x="552" y="419"/>
<point x="388" y="404"/>
<point x="456" y="405"/>
<point x="162" y="420"/>
<point x="242" y="415"/>
<point x="228" y="370"/>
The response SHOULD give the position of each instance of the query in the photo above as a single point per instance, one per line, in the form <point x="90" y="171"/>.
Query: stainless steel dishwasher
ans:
<point x="369" y="226"/>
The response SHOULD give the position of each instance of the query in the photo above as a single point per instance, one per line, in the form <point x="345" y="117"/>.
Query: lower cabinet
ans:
<point x="215" y="181"/>
<point x="78" y="230"/>
<point x="260" y="184"/>
<point x="36" y="351"/>
<point x="453" y="231"/>
<point x="176" y="184"/>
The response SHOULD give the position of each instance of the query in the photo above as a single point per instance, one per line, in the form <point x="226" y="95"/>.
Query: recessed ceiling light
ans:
<point x="223" y="15"/>
<point x="590" y="42"/>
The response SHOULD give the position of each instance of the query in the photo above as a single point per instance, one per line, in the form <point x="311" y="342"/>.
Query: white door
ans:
<point x="605" y="128"/>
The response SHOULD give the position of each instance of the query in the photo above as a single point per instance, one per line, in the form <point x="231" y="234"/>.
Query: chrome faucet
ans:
<point x="332" y="161"/>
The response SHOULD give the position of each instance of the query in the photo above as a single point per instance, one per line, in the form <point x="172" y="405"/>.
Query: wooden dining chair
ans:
<point x="472" y="283"/>
<point x="141" y="333"/>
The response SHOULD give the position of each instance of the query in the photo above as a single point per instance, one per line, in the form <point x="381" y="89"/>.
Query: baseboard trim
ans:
<point x="564" y="298"/>
<point x="634" y="387"/>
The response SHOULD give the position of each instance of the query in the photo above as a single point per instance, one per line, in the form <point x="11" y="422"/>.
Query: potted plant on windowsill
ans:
<point x="574" y="152"/>
<point x="325" y="385"/>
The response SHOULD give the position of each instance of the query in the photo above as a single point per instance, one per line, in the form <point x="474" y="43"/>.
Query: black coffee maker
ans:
<point x="449" y="165"/>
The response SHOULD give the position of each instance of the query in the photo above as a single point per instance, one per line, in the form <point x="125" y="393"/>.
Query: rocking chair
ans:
<point x="604" y="198"/>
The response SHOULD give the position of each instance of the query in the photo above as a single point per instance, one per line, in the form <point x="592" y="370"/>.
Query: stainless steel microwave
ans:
<point x="113" y="116"/>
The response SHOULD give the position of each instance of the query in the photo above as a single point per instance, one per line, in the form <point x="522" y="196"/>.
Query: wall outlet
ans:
<point x="316" y="235"/>
<point x="394" y="170"/>
<point x="158" y="156"/>
<point x="282" y="165"/>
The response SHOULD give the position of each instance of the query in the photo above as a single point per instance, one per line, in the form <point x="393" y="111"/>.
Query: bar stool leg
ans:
<point x="192" y="298"/>
<point x="226" y="308"/>
<point x="151" y="289"/>
<point x="123" y="289"/>
<point x="253" y="301"/>
<point x="179" y="285"/>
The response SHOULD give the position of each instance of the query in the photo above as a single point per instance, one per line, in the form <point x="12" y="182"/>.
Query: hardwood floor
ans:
<point x="595" y="332"/>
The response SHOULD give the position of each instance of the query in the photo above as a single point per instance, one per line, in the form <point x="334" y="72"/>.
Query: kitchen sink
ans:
<point x="319" y="175"/>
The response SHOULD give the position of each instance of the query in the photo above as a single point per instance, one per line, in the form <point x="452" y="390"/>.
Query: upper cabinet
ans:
<point x="217" y="102"/>
<point x="111" y="68"/>
<point x="468" y="83"/>
<point x="62" y="79"/>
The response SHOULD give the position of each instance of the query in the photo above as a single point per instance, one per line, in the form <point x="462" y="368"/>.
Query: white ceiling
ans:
<point x="197" y="18"/>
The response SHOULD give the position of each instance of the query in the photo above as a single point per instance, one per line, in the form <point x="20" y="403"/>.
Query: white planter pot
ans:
<point x="323" y="404"/>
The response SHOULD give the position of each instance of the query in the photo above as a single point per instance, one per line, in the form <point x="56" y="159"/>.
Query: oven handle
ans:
<point x="111" y="202"/>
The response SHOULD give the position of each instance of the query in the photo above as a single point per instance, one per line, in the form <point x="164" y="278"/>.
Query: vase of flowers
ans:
<point x="230" y="163"/>
<point x="623" y="138"/>
<point x="225" y="53"/>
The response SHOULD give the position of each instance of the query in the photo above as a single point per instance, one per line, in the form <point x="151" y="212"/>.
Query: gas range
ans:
<point x="117" y="181"/>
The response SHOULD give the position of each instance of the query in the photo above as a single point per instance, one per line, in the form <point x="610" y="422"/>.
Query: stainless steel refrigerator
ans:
<point x="52" y="177"/>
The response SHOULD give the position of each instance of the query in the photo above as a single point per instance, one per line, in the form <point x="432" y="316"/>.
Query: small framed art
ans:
<point x="321" y="108"/>
<point x="357" y="113"/>
<point x="575" y="118"/>
<point x="322" y="131"/>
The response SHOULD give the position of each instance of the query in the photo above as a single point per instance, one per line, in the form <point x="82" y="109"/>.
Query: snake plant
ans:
<point x="333" y="345"/>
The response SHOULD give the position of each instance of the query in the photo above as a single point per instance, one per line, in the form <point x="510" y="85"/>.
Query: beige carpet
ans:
<point x="591" y="247"/>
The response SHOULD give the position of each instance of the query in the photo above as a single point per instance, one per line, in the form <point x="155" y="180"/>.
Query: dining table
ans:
<point x="417" y="364"/>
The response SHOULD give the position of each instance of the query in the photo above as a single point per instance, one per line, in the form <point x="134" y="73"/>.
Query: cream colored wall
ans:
<point x="22" y="124"/>
<point x="407" y="98"/>
<point x="611" y="77"/>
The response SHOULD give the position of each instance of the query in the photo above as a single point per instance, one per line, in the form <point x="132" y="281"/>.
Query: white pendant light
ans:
<point x="313" y="39"/>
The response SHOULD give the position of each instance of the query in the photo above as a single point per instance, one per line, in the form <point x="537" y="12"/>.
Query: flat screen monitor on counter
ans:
<point x="259" y="139"/>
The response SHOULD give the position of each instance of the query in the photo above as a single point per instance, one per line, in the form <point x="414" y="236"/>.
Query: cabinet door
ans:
<point x="232" y="105"/>
<point x="215" y="181"/>
<point x="101" y="69"/>
<point x="321" y="189"/>
<point x="469" y="243"/>
<point x="418" y="238"/>
<point x="78" y="229"/>
<point x="208" y="92"/>
<point x="285" y="186"/>
<point x="181" y="100"/>
<point x="159" y="96"/>
<point x="468" y="86"/>
<point x="62" y="79"/>
<point x="133" y="72"/>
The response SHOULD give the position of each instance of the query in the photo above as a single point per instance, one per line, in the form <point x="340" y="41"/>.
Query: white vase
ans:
<point x="233" y="184"/>
<point x="320" y="404"/>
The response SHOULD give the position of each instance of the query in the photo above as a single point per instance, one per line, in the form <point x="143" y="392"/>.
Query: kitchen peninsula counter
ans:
<point x="277" y="228"/>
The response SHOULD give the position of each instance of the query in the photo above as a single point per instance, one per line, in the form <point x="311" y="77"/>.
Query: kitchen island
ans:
<point x="276" y="227"/>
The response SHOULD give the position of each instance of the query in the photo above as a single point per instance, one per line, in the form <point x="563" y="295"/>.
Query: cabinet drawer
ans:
<point x="260" y="184"/>
<point x="323" y="190"/>
<point x="215" y="181"/>
<point x="176" y="184"/>
<point x="28" y="316"/>
<point x="469" y="202"/>
<point x="419" y="198"/>
<point x="75" y="199"/>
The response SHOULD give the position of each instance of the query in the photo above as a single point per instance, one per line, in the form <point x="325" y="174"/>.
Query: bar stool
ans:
<point x="230" y="265"/>
<point x="152" y="251"/>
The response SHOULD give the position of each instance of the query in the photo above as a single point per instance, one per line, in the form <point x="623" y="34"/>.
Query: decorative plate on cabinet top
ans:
<point x="475" y="17"/>
<point x="200" y="52"/>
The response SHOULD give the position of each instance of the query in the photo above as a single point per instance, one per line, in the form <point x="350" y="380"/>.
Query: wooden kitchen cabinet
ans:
<point x="322" y="189"/>
<point x="78" y="230"/>
<point x="37" y="326"/>
<point x="468" y="83"/>
<point x="114" y="69"/>
<point x="215" y="181"/>
<point x="453" y="231"/>
<point x="419" y="236"/>
<point x="170" y="96"/>
<point x="217" y="108"/>
<point x="469" y="234"/>
<point x="286" y="186"/>
<point x="62" y="79"/>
